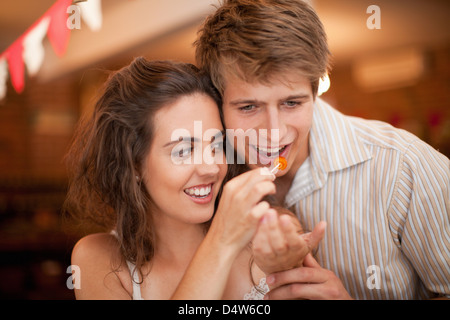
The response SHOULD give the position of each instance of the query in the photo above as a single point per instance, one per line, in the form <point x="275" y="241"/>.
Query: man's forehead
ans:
<point x="284" y="84"/>
<point x="289" y="79"/>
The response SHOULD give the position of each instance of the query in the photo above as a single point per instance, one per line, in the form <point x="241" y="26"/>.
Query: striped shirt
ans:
<point x="385" y="196"/>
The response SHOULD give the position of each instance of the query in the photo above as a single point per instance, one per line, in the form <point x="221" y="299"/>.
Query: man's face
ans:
<point x="280" y="113"/>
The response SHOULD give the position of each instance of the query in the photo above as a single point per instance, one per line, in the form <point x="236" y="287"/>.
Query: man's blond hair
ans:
<point x="255" y="40"/>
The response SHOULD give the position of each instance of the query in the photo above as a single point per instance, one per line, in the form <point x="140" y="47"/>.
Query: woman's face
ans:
<point x="186" y="165"/>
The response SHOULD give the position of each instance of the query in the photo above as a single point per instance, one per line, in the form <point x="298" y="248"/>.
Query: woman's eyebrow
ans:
<point x="186" y="139"/>
<point x="218" y="135"/>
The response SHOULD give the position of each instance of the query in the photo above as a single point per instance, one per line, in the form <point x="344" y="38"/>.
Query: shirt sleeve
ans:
<point x="420" y="214"/>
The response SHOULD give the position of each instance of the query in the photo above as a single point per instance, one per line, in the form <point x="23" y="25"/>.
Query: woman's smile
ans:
<point x="200" y="194"/>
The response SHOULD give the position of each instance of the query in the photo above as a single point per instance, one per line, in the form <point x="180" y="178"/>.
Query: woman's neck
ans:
<point x="176" y="242"/>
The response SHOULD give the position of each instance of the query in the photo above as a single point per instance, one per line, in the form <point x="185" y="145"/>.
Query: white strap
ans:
<point x="136" y="285"/>
<point x="134" y="274"/>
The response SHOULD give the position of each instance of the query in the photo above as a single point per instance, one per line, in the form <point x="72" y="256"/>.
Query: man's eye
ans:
<point x="250" y="107"/>
<point x="292" y="104"/>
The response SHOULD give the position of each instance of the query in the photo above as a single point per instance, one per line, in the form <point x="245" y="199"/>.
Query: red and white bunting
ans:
<point x="28" y="48"/>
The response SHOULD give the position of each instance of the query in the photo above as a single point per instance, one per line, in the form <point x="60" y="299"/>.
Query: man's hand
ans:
<point x="278" y="246"/>
<point x="308" y="282"/>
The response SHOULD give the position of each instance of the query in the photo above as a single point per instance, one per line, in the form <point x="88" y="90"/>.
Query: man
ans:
<point x="383" y="192"/>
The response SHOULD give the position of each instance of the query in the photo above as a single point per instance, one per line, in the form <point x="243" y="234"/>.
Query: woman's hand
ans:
<point x="278" y="246"/>
<point x="241" y="209"/>
<point x="233" y="226"/>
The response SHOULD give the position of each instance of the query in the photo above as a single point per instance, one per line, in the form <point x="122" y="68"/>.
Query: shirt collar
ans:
<point x="333" y="146"/>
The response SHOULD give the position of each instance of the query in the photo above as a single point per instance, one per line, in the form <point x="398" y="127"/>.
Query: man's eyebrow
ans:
<point x="296" y="96"/>
<point x="246" y="101"/>
<point x="259" y="102"/>
<point x="191" y="139"/>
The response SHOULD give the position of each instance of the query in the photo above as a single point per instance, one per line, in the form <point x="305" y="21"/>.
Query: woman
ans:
<point x="131" y="175"/>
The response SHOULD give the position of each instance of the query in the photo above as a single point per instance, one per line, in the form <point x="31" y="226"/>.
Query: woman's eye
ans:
<point x="182" y="152"/>
<point x="217" y="147"/>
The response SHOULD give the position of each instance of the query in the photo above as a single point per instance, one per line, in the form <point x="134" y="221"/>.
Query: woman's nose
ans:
<point x="209" y="164"/>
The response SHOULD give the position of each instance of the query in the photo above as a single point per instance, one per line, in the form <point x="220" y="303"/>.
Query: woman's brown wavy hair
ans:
<point x="107" y="154"/>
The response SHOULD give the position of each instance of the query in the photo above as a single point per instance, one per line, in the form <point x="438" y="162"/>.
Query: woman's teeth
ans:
<point x="198" y="192"/>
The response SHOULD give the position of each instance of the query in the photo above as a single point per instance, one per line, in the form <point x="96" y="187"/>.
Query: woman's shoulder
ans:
<point x="97" y="245"/>
<point x="98" y="258"/>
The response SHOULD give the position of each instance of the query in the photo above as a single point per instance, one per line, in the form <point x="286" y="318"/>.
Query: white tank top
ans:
<point x="256" y="293"/>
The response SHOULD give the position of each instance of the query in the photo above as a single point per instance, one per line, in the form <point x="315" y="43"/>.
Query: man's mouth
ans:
<point x="270" y="152"/>
<point x="266" y="155"/>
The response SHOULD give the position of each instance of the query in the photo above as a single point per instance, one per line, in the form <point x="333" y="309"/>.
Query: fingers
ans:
<point x="295" y="291"/>
<point x="296" y="243"/>
<point x="308" y="282"/>
<point x="290" y="232"/>
<point x="277" y="245"/>
<point x="240" y="208"/>
<point x="317" y="235"/>
<point x="310" y="261"/>
<point x="296" y="275"/>
<point x="258" y="211"/>
<point x="277" y="241"/>
<point x="259" y="191"/>
<point x="261" y="243"/>
<point x="249" y="187"/>
<point x="273" y="238"/>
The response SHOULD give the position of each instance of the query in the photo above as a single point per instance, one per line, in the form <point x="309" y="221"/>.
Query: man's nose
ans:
<point x="275" y="125"/>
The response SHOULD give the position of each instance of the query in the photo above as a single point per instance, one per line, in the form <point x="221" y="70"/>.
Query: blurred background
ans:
<point x="399" y="74"/>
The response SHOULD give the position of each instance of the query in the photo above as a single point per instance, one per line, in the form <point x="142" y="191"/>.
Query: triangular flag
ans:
<point x="33" y="49"/>
<point x="3" y="77"/>
<point x="16" y="66"/>
<point x="91" y="13"/>
<point x="58" y="33"/>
